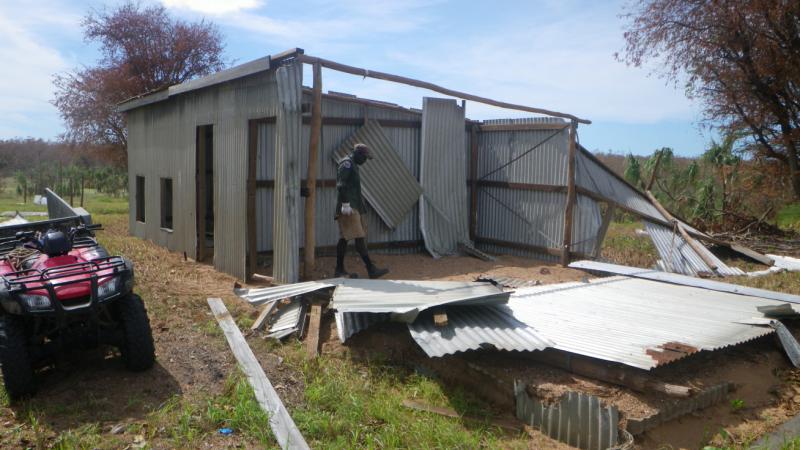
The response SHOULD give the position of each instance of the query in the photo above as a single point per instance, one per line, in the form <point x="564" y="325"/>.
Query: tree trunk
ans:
<point x="791" y="160"/>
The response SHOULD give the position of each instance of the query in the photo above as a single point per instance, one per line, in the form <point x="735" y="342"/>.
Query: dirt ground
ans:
<point x="193" y="361"/>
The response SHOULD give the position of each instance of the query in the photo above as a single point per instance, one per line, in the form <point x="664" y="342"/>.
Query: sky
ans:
<point x="552" y="54"/>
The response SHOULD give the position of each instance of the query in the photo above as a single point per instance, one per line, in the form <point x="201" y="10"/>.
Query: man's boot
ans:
<point x="341" y="272"/>
<point x="375" y="272"/>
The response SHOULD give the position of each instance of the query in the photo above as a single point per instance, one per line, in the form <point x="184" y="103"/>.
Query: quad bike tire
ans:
<point x="17" y="368"/>
<point x="138" y="351"/>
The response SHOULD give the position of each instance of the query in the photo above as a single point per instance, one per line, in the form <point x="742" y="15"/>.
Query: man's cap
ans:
<point x="363" y="149"/>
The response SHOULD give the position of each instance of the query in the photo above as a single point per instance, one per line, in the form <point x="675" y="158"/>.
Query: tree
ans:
<point x="142" y="50"/>
<point x="740" y="58"/>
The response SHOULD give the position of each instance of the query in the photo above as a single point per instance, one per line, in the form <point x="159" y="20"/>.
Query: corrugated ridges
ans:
<point x="348" y="324"/>
<point x="472" y="328"/>
<point x="679" y="257"/>
<point x="258" y="296"/>
<point x="637" y="322"/>
<point x="443" y="208"/>
<point x="387" y="184"/>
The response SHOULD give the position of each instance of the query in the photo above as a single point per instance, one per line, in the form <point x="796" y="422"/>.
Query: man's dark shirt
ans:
<point x="348" y="184"/>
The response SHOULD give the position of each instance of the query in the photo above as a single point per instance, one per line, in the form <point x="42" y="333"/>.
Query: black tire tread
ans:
<point x="17" y="368"/>
<point x="138" y="351"/>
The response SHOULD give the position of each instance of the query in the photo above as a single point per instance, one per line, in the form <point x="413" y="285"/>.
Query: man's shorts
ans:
<point x="353" y="226"/>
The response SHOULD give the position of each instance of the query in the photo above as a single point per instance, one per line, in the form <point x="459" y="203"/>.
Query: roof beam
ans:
<point x="432" y="87"/>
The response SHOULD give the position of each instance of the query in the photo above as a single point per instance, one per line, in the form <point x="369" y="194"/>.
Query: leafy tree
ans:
<point x="143" y="49"/>
<point x="740" y="58"/>
<point x="633" y="170"/>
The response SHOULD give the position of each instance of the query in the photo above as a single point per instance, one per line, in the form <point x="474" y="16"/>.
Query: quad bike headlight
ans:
<point x="35" y="302"/>
<point x="108" y="288"/>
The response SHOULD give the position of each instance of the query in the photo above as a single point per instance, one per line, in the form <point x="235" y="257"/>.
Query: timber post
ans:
<point x="569" y="208"/>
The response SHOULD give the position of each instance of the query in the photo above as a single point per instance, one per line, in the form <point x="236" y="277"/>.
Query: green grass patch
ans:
<point x="788" y="218"/>
<point x="360" y="406"/>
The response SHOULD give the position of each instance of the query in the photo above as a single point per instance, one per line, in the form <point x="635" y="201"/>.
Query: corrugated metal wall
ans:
<point x="161" y="143"/>
<point x="286" y="200"/>
<point x="444" y="215"/>
<point x="405" y="141"/>
<point x="526" y="216"/>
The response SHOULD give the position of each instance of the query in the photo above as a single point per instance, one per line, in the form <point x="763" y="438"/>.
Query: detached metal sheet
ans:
<point x="405" y="299"/>
<point x="443" y="208"/>
<point x="286" y="197"/>
<point x="679" y="257"/>
<point x="473" y="328"/>
<point x="388" y="185"/>
<point x="637" y="322"/>
<point x="348" y="324"/>
<point x="666" y="277"/>
<point x="260" y="296"/>
<point x="596" y="177"/>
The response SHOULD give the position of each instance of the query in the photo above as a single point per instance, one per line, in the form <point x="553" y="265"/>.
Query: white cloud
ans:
<point x="214" y="7"/>
<point x="26" y="79"/>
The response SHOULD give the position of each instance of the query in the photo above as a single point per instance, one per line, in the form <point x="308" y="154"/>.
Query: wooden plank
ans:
<point x="440" y="318"/>
<point x="750" y="253"/>
<point x="263" y="317"/>
<point x="522" y="127"/>
<point x="522" y="186"/>
<point x="252" y="154"/>
<point x="432" y="87"/>
<point x="312" y="337"/>
<point x="569" y="207"/>
<point x="359" y="121"/>
<point x="281" y="423"/>
<point x="510" y="424"/>
<point x="309" y="260"/>
<point x="473" y="182"/>
<point x="601" y="233"/>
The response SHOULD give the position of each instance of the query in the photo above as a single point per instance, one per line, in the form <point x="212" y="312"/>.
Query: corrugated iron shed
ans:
<point x="637" y="322"/>
<point x="674" y="278"/>
<point x="679" y="257"/>
<point x="388" y="185"/>
<point x="473" y="328"/>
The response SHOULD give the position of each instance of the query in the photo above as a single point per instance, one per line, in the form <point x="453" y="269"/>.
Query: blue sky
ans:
<point x="552" y="54"/>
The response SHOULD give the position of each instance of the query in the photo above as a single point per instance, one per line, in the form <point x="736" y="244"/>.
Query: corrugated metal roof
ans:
<point x="473" y="328"/>
<point x="406" y="298"/>
<point x="287" y="317"/>
<point x="674" y="278"/>
<point x="230" y="74"/>
<point x="348" y="324"/>
<point x="443" y="216"/>
<point x="679" y="257"/>
<point x="286" y="196"/>
<point x="259" y="296"/>
<point x="388" y="185"/>
<point x="641" y="323"/>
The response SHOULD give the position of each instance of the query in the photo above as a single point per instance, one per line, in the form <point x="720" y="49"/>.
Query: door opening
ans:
<point x="204" y="177"/>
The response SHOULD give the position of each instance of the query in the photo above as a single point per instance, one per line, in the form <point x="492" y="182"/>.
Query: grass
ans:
<point x="789" y="217"/>
<point x="94" y="202"/>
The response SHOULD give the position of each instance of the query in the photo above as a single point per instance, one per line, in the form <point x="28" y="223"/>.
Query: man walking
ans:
<point x="351" y="213"/>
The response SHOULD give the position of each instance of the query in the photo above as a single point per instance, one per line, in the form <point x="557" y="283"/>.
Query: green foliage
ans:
<point x="633" y="171"/>
<point x="737" y="404"/>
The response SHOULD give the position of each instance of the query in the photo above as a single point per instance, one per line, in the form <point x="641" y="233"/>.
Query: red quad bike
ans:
<point x="59" y="291"/>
